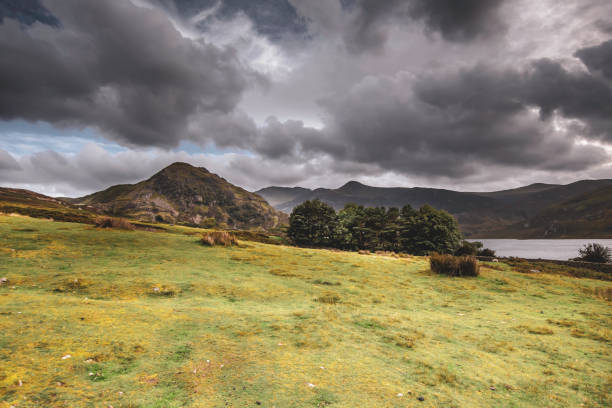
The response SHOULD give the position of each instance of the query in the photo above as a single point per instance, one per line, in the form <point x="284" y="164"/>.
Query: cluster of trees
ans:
<point x="419" y="232"/>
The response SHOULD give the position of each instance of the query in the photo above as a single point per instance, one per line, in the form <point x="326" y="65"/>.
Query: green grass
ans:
<point x="283" y="326"/>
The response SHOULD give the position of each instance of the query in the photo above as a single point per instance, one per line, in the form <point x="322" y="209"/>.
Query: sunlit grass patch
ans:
<point x="286" y="327"/>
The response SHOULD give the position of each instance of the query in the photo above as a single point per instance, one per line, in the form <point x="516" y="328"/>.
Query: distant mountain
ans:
<point x="279" y="195"/>
<point x="186" y="194"/>
<point x="516" y="213"/>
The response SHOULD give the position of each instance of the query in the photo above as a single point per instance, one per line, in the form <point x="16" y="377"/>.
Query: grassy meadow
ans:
<point x="110" y="318"/>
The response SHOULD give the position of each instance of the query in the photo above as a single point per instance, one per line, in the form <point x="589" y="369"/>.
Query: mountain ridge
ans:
<point x="511" y="213"/>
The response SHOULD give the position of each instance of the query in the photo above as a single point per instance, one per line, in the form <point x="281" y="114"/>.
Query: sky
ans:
<point x="471" y="95"/>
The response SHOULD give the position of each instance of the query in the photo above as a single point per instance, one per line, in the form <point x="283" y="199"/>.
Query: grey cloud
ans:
<point x="575" y="95"/>
<point x="458" y="124"/>
<point x="456" y="21"/>
<point x="7" y="162"/>
<point x="94" y="168"/>
<point x="598" y="58"/>
<point x="117" y="67"/>
<point x="367" y="29"/>
<point x="460" y="20"/>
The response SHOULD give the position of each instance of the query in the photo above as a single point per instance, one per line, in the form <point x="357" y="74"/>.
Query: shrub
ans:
<point x="486" y="252"/>
<point x="454" y="265"/>
<point x="595" y="253"/>
<point x="117" y="223"/>
<point x="468" y="248"/>
<point x="218" y="238"/>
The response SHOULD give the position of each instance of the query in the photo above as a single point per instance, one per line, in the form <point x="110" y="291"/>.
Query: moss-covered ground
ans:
<point x="101" y="318"/>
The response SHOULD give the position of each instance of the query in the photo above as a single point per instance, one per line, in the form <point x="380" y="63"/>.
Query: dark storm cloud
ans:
<point x="454" y="125"/>
<point x="117" y="67"/>
<point x="456" y="21"/>
<point x="598" y="58"/>
<point x="574" y="95"/>
<point x="460" y="20"/>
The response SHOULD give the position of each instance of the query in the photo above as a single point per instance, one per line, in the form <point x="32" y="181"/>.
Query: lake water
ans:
<point x="561" y="249"/>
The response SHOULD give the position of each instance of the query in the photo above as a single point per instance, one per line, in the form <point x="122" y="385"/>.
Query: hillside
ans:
<point x="26" y="202"/>
<point x="511" y="213"/>
<point x="103" y="318"/>
<point x="593" y="211"/>
<point x="186" y="194"/>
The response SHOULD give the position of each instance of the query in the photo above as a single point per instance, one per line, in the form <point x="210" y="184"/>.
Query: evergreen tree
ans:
<point x="313" y="223"/>
<point x="430" y="230"/>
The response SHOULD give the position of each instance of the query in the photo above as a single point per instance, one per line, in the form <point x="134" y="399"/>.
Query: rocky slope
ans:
<point x="182" y="193"/>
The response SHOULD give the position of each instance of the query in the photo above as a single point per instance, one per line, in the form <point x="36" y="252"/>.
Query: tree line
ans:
<point x="355" y="227"/>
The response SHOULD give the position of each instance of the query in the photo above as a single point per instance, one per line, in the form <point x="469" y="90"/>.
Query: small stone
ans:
<point x="3" y="281"/>
<point x="421" y="398"/>
<point x="311" y="385"/>
<point x="492" y="388"/>
<point x="90" y="374"/>
<point x="20" y="383"/>
<point x="67" y="356"/>
<point x="258" y="402"/>
<point x="399" y="394"/>
<point x="120" y="393"/>
<point x="156" y="289"/>
<point x="322" y="368"/>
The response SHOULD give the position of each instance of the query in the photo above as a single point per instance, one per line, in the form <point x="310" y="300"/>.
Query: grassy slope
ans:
<point x="230" y="327"/>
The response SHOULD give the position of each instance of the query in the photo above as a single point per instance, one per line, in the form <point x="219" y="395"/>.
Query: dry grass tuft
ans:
<point x="216" y="238"/>
<point x="402" y="340"/>
<point x="454" y="265"/>
<point x="282" y="272"/>
<point x="329" y="298"/>
<point x="601" y="292"/>
<point x="562" y="323"/>
<point x="116" y="223"/>
<point x="535" y="330"/>
<point x="603" y="336"/>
